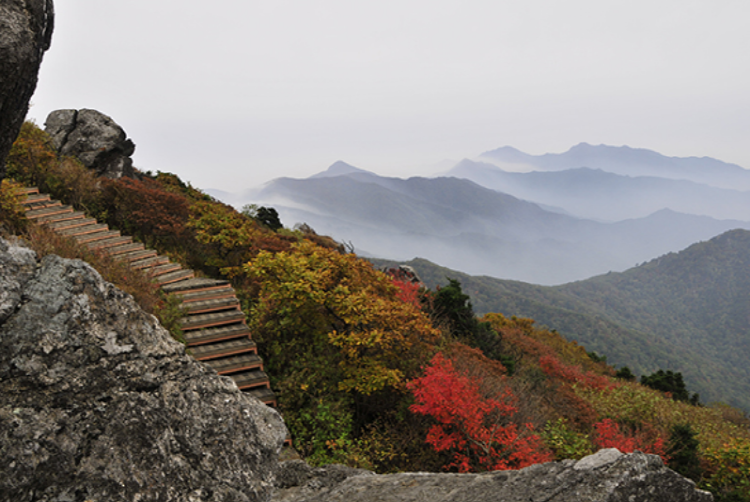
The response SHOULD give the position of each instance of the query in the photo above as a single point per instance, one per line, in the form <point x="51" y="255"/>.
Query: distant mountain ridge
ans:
<point x="687" y="311"/>
<point x="598" y="194"/>
<point x="465" y="226"/>
<point x="628" y="161"/>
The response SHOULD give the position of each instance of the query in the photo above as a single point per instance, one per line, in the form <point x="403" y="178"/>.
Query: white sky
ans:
<point x="232" y="93"/>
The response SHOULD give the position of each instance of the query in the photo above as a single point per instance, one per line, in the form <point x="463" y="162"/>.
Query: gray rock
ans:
<point x="97" y="402"/>
<point x="98" y="142"/>
<point x="605" y="476"/>
<point x="297" y="480"/>
<point x="25" y="33"/>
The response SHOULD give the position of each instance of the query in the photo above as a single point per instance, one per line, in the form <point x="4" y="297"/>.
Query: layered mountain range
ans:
<point x="591" y="210"/>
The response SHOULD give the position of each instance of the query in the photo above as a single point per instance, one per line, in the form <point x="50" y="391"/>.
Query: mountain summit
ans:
<point x="339" y="168"/>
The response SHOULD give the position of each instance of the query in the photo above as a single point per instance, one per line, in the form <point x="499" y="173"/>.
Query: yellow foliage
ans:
<point x="311" y="290"/>
<point x="12" y="214"/>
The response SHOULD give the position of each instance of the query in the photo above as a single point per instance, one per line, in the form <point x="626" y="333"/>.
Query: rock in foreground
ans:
<point x="97" y="402"/>
<point x="605" y="476"/>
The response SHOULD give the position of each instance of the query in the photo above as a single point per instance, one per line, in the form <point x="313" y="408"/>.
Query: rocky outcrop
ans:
<point x="25" y="33"/>
<point x="97" y="402"/>
<point x="605" y="476"/>
<point x="98" y="142"/>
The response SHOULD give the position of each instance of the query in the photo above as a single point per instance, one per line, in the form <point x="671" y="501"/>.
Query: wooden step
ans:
<point x="234" y="364"/>
<point x="251" y="379"/>
<point x="213" y="305"/>
<point x="43" y="204"/>
<point x="96" y="236"/>
<point x="236" y="346"/>
<point x="226" y="291"/>
<point x="91" y="228"/>
<point x="179" y="275"/>
<point x="202" y="321"/>
<point x="163" y="269"/>
<point x="29" y="190"/>
<point x="69" y="223"/>
<point x="35" y="213"/>
<point x="264" y="394"/>
<point x="216" y="334"/>
<point x="134" y="252"/>
<point x="69" y="214"/>
<point x="106" y="244"/>
<point x="35" y="198"/>
<point x="151" y="261"/>
<point x="195" y="285"/>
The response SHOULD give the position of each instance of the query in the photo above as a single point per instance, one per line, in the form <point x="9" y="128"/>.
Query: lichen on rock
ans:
<point x="97" y="402"/>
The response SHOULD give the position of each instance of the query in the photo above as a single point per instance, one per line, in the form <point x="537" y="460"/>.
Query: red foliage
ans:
<point x="469" y="425"/>
<point x="145" y="208"/>
<point x="610" y="435"/>
<point x="555" y="368"/>
<point x="408" y="291"/>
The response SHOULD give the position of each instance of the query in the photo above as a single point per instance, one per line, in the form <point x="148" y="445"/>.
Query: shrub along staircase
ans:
<point x="214" y="327"/>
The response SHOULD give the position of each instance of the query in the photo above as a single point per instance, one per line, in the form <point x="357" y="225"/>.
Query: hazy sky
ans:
<point x="232" y="93"/>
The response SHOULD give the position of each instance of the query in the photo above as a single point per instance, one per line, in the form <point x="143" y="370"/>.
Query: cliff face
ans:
<point x="97" y="402"/>
<point x="25" y="33"/>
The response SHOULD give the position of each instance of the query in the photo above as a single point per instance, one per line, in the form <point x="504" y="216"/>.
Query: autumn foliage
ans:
<point x="374" y="370"/>
<point x="610" y="434"/>
<point x="476" y="429"/>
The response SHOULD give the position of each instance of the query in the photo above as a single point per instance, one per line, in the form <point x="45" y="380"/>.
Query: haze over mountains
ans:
<point x="626" y="161"/>
<point x="585" y="212"/>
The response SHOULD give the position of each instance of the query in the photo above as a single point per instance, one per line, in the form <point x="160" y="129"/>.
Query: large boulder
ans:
<point x="98" y="142"/>
<point x="25" y="33"/>
<point x="605" y="476"/>
<point x="97" y="402"/>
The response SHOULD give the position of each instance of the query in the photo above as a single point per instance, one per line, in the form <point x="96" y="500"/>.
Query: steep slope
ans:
<point x="685" y="311"/>
<point x="596" y="194"/>
<point x="477" y="230"/>
<point x="627" y="161"/>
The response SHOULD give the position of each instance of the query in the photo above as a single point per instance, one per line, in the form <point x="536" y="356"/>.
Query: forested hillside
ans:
<point x="375" y="370"/>
<point x="686" y="311"/>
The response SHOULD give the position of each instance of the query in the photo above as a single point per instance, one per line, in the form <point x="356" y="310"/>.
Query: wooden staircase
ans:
<point x="214" y="326"/>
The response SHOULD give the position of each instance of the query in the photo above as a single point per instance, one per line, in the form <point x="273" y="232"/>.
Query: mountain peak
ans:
<point x="507" y="154"/>
<point x="339" y="168"/>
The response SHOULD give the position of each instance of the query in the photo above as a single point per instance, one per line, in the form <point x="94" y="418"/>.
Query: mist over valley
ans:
<point x="589" y="211"/>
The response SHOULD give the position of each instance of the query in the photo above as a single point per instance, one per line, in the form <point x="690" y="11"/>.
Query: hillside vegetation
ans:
<point x="686" y="311"/>
<point x="374" y="371"/>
